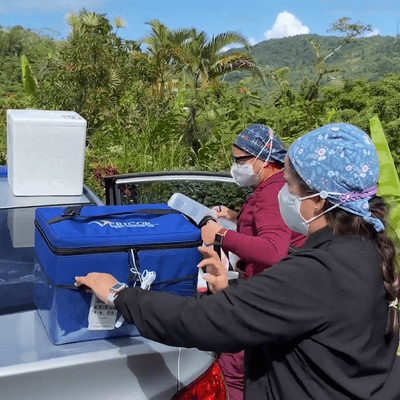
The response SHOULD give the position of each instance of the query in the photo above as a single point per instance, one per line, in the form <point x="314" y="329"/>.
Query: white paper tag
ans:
<point x="101" y="316"/>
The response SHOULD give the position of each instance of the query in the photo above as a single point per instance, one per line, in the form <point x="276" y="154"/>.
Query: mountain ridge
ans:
<point x="367" y="58"/>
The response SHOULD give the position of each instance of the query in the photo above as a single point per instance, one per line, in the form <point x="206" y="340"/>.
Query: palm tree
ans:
<point x="203" y="61"/>
<point x="158" y="41"/>
<point x="157" y="51"/>
<point x="197" y="57"/>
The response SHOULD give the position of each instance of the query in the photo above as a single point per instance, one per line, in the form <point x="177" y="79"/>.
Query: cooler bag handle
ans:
<point x="73" y="212"/>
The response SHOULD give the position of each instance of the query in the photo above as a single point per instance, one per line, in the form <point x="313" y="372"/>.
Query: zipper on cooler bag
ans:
<point x="111" y="249"/>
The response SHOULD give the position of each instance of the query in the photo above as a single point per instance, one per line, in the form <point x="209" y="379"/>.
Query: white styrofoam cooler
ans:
<point x="45" y="152"/>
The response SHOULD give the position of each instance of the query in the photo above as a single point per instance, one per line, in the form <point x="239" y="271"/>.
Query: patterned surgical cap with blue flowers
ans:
<point x="340" y="162"/>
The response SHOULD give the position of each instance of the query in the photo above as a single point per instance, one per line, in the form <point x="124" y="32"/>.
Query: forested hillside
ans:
<point x="368" y="58"/>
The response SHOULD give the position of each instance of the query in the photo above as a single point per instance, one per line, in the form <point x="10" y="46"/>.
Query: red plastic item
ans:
<point x="209" y="386"/>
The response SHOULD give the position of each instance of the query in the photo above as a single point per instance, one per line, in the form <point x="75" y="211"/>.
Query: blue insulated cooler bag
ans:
<point x="132" y="243"/>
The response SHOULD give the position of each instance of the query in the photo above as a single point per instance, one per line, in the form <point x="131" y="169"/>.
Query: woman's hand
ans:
<point x="216" y="271"/>
<point x="224" y="212"/>
<point x="209" y="231"/>
<point x="99" y="283"/>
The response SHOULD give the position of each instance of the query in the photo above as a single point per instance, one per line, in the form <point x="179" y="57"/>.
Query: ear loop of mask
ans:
<point x="323" y="195"/>
<point x="269" y="155"/>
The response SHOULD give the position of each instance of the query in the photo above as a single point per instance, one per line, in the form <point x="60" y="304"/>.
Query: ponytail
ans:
<point x="345" y="223"/>
<point x="390" y="278"/>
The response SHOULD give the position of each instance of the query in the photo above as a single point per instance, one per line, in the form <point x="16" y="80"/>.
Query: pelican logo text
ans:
<point x="119" y="225"/>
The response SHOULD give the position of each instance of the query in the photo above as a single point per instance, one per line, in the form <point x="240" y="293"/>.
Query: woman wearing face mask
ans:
<point x="323" y="322"/>
<point x="262" y="237"/>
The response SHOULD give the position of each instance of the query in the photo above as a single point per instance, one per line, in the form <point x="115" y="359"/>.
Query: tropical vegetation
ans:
<point x="175" y="101"/>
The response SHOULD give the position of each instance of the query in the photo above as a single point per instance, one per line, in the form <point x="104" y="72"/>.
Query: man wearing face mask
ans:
<point x="262" y="237"/>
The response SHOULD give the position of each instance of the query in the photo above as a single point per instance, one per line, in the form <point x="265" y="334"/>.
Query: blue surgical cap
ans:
<point x="253" y="140"/>
<point x="340" y="162"/>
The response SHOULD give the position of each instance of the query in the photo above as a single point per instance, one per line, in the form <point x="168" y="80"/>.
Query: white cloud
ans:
<point x="375" y="32"/>
<point x="286" y="25"/>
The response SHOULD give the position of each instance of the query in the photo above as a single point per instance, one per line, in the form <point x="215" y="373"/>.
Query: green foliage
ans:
<point x="351" y="31"/>
<point x="27" y="77"/>
<point x="369" y="57"/>
<point x="14" y="101"/>
<point x="358" y="101"/>
<point x="209" y="194"/>
<point x="14" y="43"/>
<point x="166" y="109"/>
<point x="388" y="184"/>
<point x="199" y="60"/>
<point x="160" y="57"/>
<point x="90" y="72"/>
<point x="223" y="114"/>
<point x="199" y="57"/>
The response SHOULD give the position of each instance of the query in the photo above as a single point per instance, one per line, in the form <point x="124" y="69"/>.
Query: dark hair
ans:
<point x="345" y="223"/>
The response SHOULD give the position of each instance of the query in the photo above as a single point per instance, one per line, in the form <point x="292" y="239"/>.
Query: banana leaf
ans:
<point x="27" y="77"/>
<point x="388" y="183"/>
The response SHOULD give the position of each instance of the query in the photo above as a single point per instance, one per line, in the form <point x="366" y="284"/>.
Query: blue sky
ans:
<point x="258" y="20"/>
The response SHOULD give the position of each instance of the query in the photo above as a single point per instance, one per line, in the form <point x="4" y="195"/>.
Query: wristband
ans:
<point x="219" y="236"/>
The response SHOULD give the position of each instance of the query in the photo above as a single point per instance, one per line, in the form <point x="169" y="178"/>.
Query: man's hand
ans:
<point x="99" y="283"/>
<point x="216" y="271"/>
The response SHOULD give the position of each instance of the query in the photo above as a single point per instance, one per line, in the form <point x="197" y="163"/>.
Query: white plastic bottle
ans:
<point x="197" y="211"/>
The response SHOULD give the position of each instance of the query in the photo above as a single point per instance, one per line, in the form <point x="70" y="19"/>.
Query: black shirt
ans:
<point x="314" y="326"/>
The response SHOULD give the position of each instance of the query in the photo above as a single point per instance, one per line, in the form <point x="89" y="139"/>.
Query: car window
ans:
<point x="208" y="193"/>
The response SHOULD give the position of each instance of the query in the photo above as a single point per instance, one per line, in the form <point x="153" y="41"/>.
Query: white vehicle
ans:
<point x="121" y="368"/>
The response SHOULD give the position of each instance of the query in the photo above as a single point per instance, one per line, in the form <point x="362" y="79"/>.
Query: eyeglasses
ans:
<point x="242" y="159"/>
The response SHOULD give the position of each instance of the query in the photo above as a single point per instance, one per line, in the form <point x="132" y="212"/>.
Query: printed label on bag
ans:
<point x="101" y="316"/>
<point x="120" y="225"/>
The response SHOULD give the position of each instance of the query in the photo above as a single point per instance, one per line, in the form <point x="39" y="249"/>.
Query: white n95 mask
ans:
<point x="244" y="175"/>
<point x="289" y="206"/>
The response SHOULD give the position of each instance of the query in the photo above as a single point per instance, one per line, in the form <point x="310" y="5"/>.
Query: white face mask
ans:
<point x="244" y="175"/>
<point x="289" y="206"/>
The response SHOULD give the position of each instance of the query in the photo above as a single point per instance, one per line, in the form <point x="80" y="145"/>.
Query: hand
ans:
<point x="208" y="232"/>
<point x="99" y="283"/>
<point x="224" y="212"/>
<point x="216" y="271"/>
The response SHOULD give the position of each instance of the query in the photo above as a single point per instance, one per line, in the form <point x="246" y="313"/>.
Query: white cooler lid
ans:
<point x="44" y="117"/>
